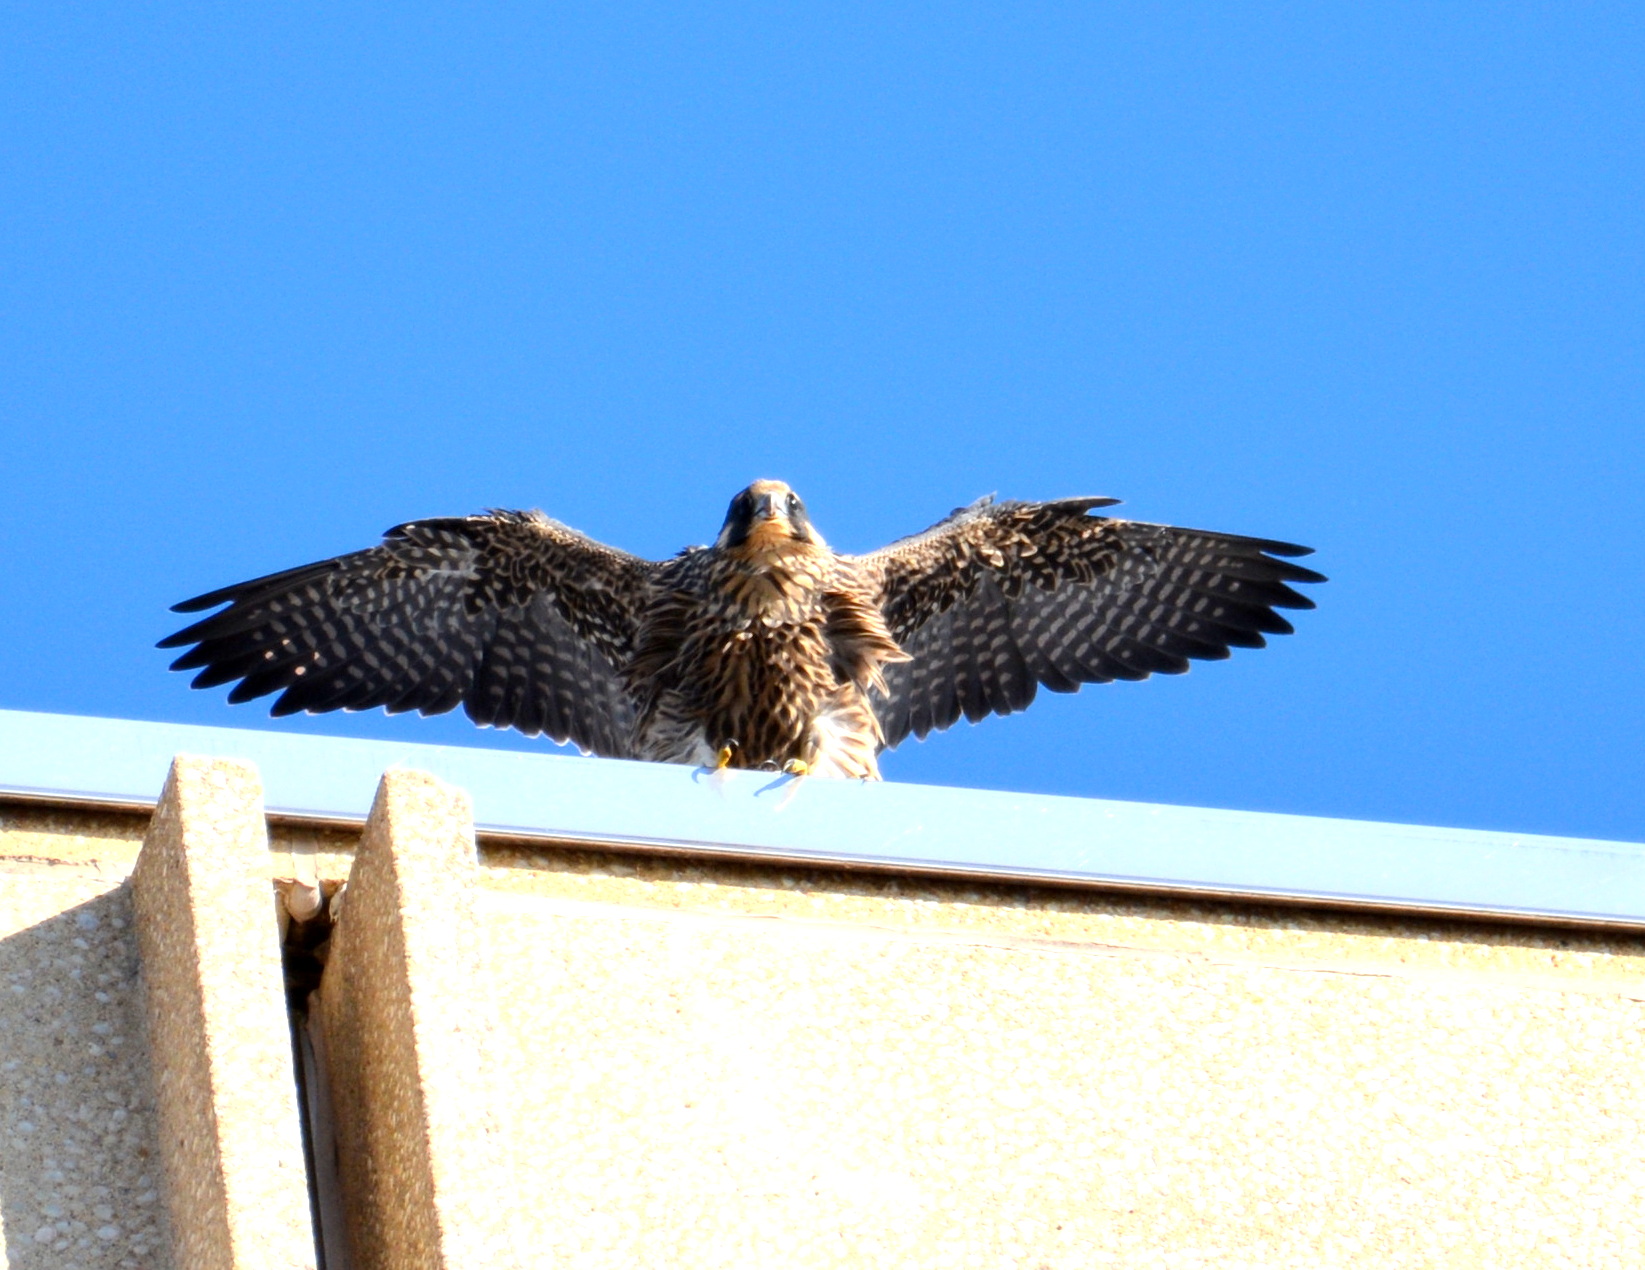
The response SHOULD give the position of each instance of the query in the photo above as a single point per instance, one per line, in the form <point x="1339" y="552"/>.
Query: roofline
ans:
<point x="1161" y="850"/>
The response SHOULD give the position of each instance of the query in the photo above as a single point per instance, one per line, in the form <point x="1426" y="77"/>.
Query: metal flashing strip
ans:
<point x="1179" y="851"/>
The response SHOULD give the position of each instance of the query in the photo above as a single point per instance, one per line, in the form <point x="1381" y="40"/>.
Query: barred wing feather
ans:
<point x="1003" y="598"/>
<point x="517" y="618"/>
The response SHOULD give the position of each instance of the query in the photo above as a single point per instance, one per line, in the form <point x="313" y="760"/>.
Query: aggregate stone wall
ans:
<point x="147" y="1097"/>
<point x="706" y="1064"/>
<point x="79" y="1151"/>
<point x="740" y="1067"/>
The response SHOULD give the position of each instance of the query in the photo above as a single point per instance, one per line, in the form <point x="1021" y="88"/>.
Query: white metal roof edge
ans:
<point x="1185" y="851"/>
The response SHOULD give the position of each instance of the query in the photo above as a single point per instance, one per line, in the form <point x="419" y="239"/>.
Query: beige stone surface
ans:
<point x="1367" y="943"/>
<point x="751" y="1068"/>
<point x="719" y="1065"/>
<point x="236" y="1185"/>
<point x="41" y="838"/>
<point x="408" y="1039"/>
<point x="79" y="1144"/>
<point x="63" y="839"/>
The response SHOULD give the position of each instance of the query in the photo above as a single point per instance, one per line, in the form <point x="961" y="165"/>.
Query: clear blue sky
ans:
<point x="1368" y="277"/>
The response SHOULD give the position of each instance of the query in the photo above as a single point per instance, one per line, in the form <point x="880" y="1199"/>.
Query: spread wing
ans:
<point x="520" y="619"/>
<point x="1001" y="598"/>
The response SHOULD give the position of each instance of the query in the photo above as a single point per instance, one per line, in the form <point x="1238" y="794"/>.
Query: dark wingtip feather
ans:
<point x="194" y="633"/>
<point x="215" y="676"/>
<point x="1289" y="599"/>
<point x="287" y="703"/>
<point x="1284" y="570"/>
<point x="1296" y="573"/>
<point x="181" y="639"/>
<point x="199" y="655"/>
<point x="244" y="691"/>
<point x="185" y="636"/>
<point x="210" y="600"/>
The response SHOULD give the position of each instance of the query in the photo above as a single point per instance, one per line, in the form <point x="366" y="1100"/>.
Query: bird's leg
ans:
<point x="723" y="757"/>
<point x="797" y="767"/>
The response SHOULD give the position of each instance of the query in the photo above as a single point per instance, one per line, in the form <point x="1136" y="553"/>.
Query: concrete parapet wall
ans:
<point x="236" y="1182"/>
<point x="558" y="1053"/>
<point x="80" y="1178"/>
<point x="744" y="1067"/>
<point x="409" y="1044"/>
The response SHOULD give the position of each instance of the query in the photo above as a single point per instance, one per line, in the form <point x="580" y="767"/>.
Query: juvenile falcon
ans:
<point x="765" y="650"/>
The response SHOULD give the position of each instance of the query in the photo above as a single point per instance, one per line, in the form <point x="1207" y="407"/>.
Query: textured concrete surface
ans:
<point x="1281" y="935"/>
<point x="37" y="838"/>
<point x="79" y="1142"/>
<point x="737" y="1068"/>
<point x="236" y="1186"/>
<point x="706" y="1064"/>
<point x="408" y="1039"/>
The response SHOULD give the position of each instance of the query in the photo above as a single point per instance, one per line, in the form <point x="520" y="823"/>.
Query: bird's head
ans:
<point x="767" y="520"/>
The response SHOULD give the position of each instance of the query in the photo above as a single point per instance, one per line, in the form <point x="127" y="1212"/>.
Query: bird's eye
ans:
<point x="793" y="503"/>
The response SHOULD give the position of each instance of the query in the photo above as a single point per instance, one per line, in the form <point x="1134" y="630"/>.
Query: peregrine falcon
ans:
<point x="766" y="650"/>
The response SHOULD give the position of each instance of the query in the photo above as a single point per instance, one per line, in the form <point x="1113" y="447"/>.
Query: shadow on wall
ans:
<point x="80" y="1183"/>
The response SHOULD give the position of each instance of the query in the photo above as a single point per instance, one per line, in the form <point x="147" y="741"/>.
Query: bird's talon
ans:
<point x="797" y="767"/>
<point x="722" y="759"/>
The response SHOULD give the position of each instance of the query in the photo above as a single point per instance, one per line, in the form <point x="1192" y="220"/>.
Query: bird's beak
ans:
<point x="770" y="508"/>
